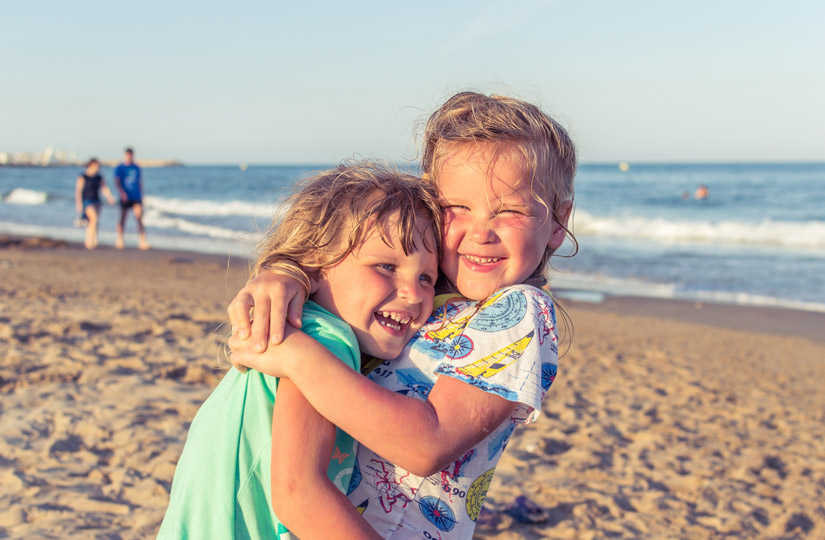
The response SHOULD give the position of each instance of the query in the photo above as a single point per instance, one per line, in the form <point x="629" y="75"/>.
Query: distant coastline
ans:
<point x="146" y="163"/>
<point x="61" y="158"/>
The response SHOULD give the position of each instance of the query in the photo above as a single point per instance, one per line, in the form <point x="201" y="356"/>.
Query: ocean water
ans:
<point x="758" y="239"/>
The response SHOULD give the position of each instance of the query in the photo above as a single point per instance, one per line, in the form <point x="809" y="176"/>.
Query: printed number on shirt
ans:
<point x="455" y="491"/>
<point x="381" y="372"/>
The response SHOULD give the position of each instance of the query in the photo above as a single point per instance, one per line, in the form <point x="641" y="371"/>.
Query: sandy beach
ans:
<point x="667" y="420"/>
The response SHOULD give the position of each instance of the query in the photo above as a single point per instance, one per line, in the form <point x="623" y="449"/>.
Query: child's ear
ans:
<point x="560" y="225"/>
<point x="313" y="285"/>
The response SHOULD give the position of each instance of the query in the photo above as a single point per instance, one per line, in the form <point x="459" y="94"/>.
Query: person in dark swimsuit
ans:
<point x="87" y="199"/>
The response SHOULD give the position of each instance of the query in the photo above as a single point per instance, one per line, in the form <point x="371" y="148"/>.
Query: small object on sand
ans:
<point x="524" y="510"/>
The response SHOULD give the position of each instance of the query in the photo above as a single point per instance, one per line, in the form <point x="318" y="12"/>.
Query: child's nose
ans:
<point x="411" y="291"/>
<point x="482" y="231"/>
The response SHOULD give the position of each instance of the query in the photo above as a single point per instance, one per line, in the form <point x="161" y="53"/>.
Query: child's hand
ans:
<point x="243" y="356"/>
<point x="262" y="307"/>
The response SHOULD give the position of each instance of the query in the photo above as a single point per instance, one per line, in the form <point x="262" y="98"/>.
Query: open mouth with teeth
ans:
<point x="392" y="320"/>
<point x="481" y="261"/>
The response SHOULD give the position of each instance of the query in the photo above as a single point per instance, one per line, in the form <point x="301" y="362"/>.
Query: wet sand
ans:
<point x="667" y="419"/>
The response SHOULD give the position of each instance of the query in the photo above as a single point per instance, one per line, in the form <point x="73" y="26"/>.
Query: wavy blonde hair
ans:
<point x="328" y="215"/>
<point x="547" y="152"/>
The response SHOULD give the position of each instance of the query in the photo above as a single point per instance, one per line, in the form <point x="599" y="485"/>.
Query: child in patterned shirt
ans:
<point x="433" y="423"/>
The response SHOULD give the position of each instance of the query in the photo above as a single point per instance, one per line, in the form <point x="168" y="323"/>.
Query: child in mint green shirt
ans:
<point x="259" y="461"/>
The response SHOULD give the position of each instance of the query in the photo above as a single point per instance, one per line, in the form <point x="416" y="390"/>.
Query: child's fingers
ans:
<point x="235" y="344"/>
<point x="260" y="325"/>
<point x="234" y="355"/>
<point x="296" y="308"/>
<point x="277" y="319"/>
<point x="287" y="302"/>
<point x="238" y="312"/>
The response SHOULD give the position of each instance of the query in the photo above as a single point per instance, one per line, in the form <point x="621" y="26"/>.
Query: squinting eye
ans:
<point x="425" y="278"/>
<point x="386" y="266"/>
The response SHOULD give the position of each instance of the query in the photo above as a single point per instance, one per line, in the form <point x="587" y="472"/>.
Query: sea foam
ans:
<point x="586" y="287"/>
<point x="802" y="234"/>
<point x="154" y="218"/>
<point x="26" y="196"/>
<point x="198" y="207"/>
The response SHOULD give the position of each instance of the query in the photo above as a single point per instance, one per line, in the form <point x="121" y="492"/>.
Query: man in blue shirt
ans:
<point x="129" y="184"/>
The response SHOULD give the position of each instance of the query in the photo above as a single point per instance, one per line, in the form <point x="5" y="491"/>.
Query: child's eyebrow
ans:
<point x="511" y="201"/>
<point x="449" y="201"/>
<point x="381" y="251"/>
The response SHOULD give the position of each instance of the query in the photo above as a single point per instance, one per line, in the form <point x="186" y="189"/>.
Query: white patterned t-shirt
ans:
<point x="507" y="347"/>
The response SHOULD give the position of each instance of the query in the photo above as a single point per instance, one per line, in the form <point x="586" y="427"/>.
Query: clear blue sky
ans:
<point x="298" y="82"/>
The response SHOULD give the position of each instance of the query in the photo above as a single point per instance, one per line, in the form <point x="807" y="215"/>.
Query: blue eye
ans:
<point x="426" y="278"/>
<point x="386" y="266"/>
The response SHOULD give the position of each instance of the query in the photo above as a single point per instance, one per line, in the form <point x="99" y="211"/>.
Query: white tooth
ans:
<point x="482" y="260"/>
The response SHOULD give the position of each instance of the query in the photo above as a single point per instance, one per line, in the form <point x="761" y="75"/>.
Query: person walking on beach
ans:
<point x="87" y="199"/>
<point x="129" y="184"/>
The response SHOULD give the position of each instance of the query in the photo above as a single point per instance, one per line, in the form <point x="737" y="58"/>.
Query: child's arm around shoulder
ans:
<point x="420" y="436"/>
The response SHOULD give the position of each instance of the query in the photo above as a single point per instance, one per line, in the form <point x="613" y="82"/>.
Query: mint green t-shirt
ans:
<point x="221" y="488"/>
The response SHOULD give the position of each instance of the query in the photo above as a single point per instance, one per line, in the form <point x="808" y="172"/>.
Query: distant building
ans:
<point x="61" y="158"/>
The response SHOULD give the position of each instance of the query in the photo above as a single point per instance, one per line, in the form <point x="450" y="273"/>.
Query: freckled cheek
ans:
<point x="515" y="222"/>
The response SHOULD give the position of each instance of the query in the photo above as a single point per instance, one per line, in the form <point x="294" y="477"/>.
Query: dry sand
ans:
<point x="667" y="420"/>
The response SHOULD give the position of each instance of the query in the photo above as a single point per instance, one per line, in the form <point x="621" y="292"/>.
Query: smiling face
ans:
<point x="384" y="294"/>
<point x="495" y="232"/>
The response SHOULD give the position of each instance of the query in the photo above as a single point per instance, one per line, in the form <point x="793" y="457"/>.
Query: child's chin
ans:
<point x="386" y="353"/>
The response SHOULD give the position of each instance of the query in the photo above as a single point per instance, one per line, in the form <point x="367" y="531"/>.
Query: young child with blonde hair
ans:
<point x="259" y="461"/>
<point x="433" y="423"/>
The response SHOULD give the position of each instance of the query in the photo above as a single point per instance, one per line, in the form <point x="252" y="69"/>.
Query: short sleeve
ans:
<point x="332" y="333"/>
<point x="508" y="347"/>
